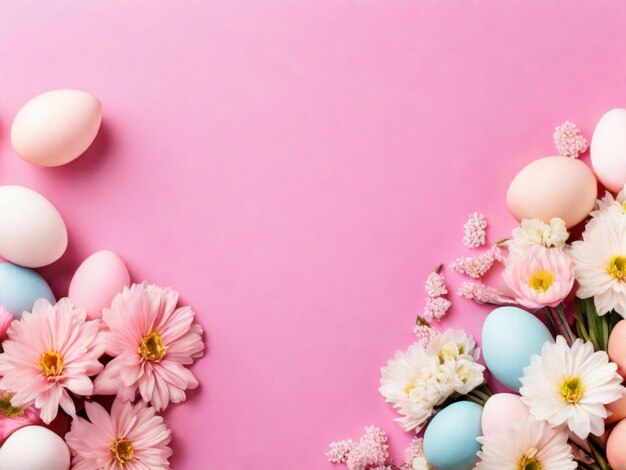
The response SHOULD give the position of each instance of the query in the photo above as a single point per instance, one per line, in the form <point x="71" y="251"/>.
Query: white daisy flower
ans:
<point x="610" y="205"/>
<point x="600" y="264"/>
<point x="571" y="385"/>
<point x="536" y="232"/>
<point x="528" y="445"/>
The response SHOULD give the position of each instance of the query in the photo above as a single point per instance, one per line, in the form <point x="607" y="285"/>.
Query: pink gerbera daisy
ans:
<point x="151" y="342"/>
<point x="48" y="353"/>
<point x="132" y="437"/>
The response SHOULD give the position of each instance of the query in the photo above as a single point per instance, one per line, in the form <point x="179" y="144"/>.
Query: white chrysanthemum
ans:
<point x="535" y="232"/>
<point x="571" y="385"/>
<point x="610" y="205"/>
<point x="528" y="444"/>
<point x="453" y="345"/>
<point x="600" y="264"/>
<point x="409" y="382"/>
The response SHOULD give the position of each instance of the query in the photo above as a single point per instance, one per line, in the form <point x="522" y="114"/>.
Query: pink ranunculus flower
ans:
<point x="539" y="277"/>
<point x="6" y="318"/>
<point x="151" y="342"/>
<point x="49" y="353"/>
<point x="131" y="437"/>
<point x="13" y="418"/>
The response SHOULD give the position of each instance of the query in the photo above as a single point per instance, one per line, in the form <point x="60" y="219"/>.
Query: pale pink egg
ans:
<point x="56" y="127"/>
<point x="617" y="347"/>
<point x="608" y="149"/>
<point x="97" y="280"/>
<point x="501" y="411"/>
<point x="618" y="410"/>
<point x="615" y="448"/>
<point x="553" y="187"/>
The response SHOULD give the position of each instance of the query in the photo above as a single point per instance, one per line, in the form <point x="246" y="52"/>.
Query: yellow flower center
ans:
<point x="529" y="461"/>
<point x="624" y="206"/>
<point x="51" y="363"/>
<point x="541" y="281"/>
<point x="572" y="390"/>
<point x="617" y="267"/>
<point x="152" y="347"/>
<point x="7" y="409"/>
<point x="122" y="450"/>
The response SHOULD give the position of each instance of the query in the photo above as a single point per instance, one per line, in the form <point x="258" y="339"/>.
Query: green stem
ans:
<point x="570" y="336"/>
<point x="598" y="452"/>
<point x="548" y="314"/>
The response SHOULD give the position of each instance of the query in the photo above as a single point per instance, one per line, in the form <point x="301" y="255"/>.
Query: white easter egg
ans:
<point x="608" y="150"/>
<point x="34" y="448"/>
<point x="97" y="280"/>
<point x="56" y="127"/>
<point x="32" y="232"/>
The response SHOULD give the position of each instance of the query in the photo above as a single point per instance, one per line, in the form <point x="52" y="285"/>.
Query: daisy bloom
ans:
<point x="536" y="232"/>
<point x="132" y="437"/>
<point x="151" y="341"/>
<point x="571" y="385"/>
<point x="13" y="418"/>
<point x="540" y="276"/>
<point x="48" y="353"/>
<point x="528" y="444"/>
<point x="600" y="264"/>
<point x="609" y="205"/>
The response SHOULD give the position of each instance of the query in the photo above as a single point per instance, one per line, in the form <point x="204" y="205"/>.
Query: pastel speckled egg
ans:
<point x="617" y="410"/>
<point x="615" y="448"/>
<point x="32" y="232"/>
<point x="608" y="149"/>
<point x="97" y="280"/>
<point x="450" y="438"/>
<point x="510" y="337"/>
<point x="617" y="347"/>
<point x="34" y="448"/>
<point x="20" y="287"/>
<point x="56" y="127"/>
<point x="501" y="411"/>
<point x="553" y="187"/>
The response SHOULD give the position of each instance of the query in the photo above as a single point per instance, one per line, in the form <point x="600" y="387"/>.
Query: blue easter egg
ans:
<point x="510" y="337"/>
<point x="450" y="438"/>
<point x="21" y="287"/>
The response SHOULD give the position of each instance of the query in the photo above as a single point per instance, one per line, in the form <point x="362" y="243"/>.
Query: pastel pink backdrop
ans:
<point x="295" y="169"/>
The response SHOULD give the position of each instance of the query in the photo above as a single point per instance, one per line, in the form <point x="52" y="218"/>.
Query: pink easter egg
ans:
<point x="615" y="448"/>
<point x="553" y="187"/>
<point x="97" y="280"/>
<point x="617" y="347"/>
<point x="618" y="410"/>
<point x="501" y="411"/>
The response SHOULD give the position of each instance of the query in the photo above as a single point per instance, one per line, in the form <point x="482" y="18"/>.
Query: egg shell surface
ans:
<point x="450" y="438"/>
<point x="97" y="280"/>
<point x="20" y="287"/>
<point x="34" y="448"/>
<point x="32" y="232"/>
<point x="501" y="411"/>
<point x="615" y="448"/>
<point x="617" y="409"/>
<point x="608" y="149"/>
<point x="56" y="127"/>
<point x="510" y="337"/>
<point x="553" y="187"/>
<point x="617" y="347"/>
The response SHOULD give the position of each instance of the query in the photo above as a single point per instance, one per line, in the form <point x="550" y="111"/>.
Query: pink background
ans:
<point x="295" y="168"/>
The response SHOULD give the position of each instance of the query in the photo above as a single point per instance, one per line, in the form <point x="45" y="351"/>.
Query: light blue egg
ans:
<point x="450" y="438"/>
<point x="21" y="287"/>
<point x="510" y="337"/>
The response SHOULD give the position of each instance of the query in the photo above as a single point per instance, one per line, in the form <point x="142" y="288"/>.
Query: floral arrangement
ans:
<point x="554" y="346"/>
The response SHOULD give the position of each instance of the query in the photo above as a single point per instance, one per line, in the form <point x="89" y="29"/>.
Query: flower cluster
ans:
<point x="475" y="231"/>
<point x="51" y="358"/>
<point x="421" y="379"/>
<point x="436" y="304"/>
<point x="569" y="140"/>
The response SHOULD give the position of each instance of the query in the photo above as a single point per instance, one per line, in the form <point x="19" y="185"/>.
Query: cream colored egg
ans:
<point x="32" y="232"/>
<point x="553" y="187"/>
<point x="34" y="448"/>
<point x="56" y="127"/>
<point x="608" y="149"/>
